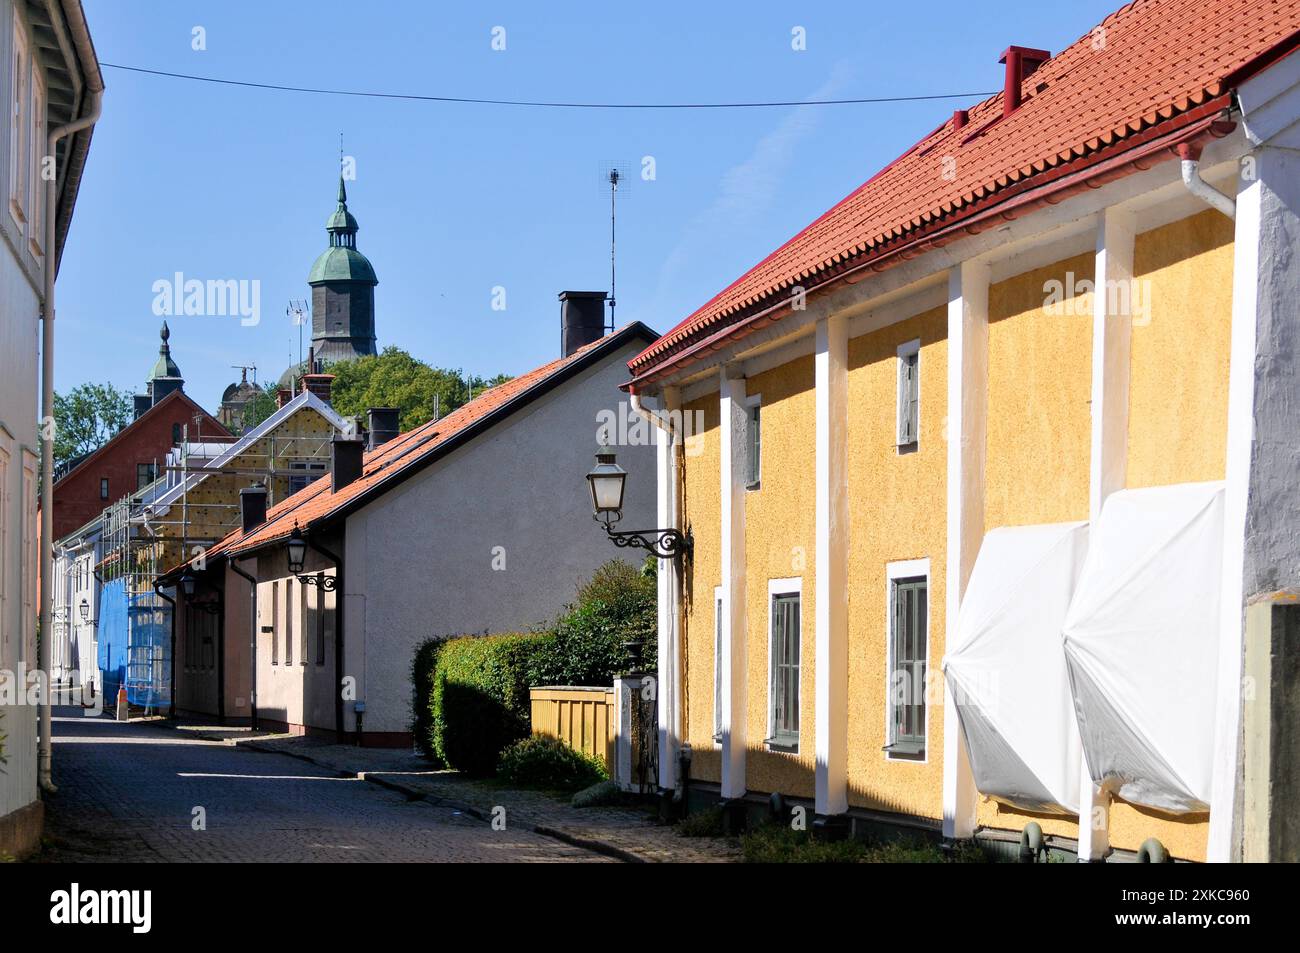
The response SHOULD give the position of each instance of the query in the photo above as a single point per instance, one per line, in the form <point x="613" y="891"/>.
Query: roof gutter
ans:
<point x="1204" y="123"/>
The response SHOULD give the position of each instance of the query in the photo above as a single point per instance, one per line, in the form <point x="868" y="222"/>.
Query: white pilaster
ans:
<point x="1112" y="331"/>
<point x="734" y="427"/>
<point x="968" y="337"/>
<point x="668" y="688"/>
<point x="831" y="563"/>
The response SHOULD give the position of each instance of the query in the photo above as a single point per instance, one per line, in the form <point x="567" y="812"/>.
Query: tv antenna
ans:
<point x="243" y="372"/>
<point x="618" y="177"/>
<point x="298" y="310"/>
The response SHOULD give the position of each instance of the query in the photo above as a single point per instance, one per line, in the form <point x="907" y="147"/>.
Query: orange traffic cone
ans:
<point x="122" y="713"/>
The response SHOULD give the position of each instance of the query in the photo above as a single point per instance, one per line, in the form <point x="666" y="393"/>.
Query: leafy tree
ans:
<point x="259" y="408"/>
<point x="86" y="418"/>
<point x="396" y="379"/>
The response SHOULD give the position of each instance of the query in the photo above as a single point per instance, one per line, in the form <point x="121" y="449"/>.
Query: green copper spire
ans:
<point x="341" y="261"/>
<point x="165" y="367"/>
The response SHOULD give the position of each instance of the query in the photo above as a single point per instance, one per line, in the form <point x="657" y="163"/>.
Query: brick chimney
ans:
<point x="283" y="396"/>
<point x="318" y="384"/>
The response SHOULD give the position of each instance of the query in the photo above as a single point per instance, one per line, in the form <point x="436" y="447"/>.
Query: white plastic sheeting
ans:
<point x="1006" y="668"/>
<point x="1141" y="643"/>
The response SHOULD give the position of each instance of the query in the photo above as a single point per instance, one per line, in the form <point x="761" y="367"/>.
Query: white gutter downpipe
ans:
<point x="44" y="751"/>
<point x="1191" y="164"/>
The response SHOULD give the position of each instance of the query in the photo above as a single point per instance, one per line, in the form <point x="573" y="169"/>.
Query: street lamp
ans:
<point x="297" y="548"/>
<point x="187" y="585"/>
<point x="85" y="610"/>
<point x="607" y="481"/>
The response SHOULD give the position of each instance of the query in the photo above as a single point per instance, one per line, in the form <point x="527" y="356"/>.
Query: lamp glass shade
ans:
<point x="85" y="611"/>
<point x="297" y="548"/>
<point x="607" y="480"/>
<point x="187" y="585"/>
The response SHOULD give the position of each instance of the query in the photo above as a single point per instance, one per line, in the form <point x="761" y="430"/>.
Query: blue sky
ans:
<point x="454" y="200"/>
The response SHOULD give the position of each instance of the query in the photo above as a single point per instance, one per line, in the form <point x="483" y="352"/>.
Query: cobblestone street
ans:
<point x="133" y="792"/>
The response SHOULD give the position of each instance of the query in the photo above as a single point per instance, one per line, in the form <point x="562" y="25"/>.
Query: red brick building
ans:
<point x="135" y="456"/>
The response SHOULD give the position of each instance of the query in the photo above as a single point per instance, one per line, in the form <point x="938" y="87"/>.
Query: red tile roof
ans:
<point x="1151" y="66"/>
<point x="317" y="501"/>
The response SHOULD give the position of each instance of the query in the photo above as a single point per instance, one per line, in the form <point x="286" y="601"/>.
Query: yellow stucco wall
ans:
<point x="897" y="511"/>
<point x="1040" y="382"/>
<point x="1178" y="385"/>
<point x="702" y="498"/>
<point x="780" y="537"/>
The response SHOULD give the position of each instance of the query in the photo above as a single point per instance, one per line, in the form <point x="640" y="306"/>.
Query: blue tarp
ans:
<point x="135" y="645"/>
<point x="112" y="637"/>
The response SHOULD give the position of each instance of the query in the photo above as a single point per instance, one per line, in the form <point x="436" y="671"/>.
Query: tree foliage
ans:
<point x="258" y="408"/>
<point x="396" y="379"/>
<point x="86" y="418"/>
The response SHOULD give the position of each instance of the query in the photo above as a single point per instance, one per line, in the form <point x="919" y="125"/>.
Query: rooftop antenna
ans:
<point x="297" y="311"/>
<point x="616" y="174"/>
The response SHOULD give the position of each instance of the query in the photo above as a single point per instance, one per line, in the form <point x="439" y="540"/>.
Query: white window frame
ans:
<point x="36" y="194"/>
<point x="753" y="461"/>
<point x="6" y="456"/>
<point x="905" y="351"/>
<point x="894" y="571"/>
<point x="790" y="586"/>
<point x="30" y="558"/>
<point x="20" y="72"/>
<point x="303" y="473"/>
<point x="718" y="701"/>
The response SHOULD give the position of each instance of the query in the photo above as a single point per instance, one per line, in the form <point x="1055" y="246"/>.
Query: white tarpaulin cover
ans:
<point x="1140" y="642"/>
<point x="1007" y="672"/>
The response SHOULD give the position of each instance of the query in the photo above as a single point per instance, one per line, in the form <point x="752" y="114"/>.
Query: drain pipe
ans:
<point x="252" y="645"/>
<point x="46" y="749"/>
<point x="171" y="675"/>
<point x="1190" y="155"/>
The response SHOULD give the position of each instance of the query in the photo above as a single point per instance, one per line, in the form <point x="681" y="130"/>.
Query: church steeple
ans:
<point x="342" y="225"/>
<point x="343" y="291"/>
<point x="165" y="376"/>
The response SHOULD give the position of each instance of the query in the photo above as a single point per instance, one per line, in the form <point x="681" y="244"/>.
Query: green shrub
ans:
<point x="618" y="605"/>
<point x="540" y="761"/>
<point x="422" y="718"/>
<point x="600" y="794"/>
<point x="480" y="699"/>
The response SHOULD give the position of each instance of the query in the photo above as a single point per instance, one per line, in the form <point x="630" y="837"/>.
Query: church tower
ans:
<point x="342" y="293"/>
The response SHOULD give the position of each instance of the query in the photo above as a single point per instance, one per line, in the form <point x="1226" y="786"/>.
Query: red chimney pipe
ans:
<point x="1021" y="61"/>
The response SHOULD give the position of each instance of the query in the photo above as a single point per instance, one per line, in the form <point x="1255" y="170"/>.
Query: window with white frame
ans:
<point x="5" y="445"/>
<point x="29" y="557"/>
<point x="783" y="664"/>
<point x="36" y="196"/>
<point x="717" y="663"/>
<point x="908" y="653"/>
<point x="754" y="442"/>
<point x="304" y="474"/>
<point x="19" y="124"/>
<point x="909" y="396"/>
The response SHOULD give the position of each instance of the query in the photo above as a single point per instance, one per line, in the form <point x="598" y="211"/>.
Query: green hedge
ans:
<point x="479" y="702"/>
<point x="471" y="692"/>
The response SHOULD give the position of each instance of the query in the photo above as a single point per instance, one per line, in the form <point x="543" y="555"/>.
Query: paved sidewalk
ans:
<point x="625" y="833"/>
